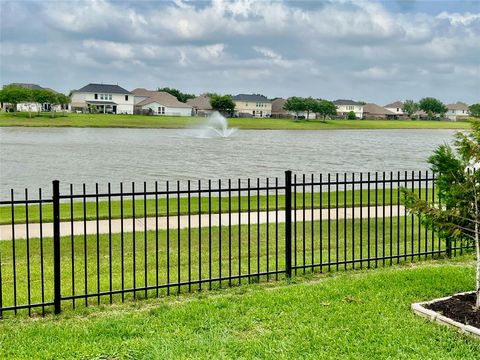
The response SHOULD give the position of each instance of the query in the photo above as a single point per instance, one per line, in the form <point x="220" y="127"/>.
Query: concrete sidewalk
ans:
<point x="196" y="221"/>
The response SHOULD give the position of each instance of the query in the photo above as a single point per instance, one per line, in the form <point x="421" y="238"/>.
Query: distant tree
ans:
<point x="432" y="107"/>
<point x="40" y="97"/>
<point x="295" y="104"/>
<point x="63" y="100"/>
<point x="410" y="107"/>
<point x="351" y="115"/>
<point x="474" y="110"/>
<point x="182" y="97"/>
<point x="310" y="105"/>
<point x="326" y="108"/>
<point x="14" y="94"/>
<point x="223" y="104"/>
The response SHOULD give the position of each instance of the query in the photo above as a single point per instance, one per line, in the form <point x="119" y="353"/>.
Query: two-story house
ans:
<point x="395" y="107"/>
<point x="345" y="106"/>
<point x="102" y="98"/>
<point x="457" y="111"/>
<point x="255" y="105"/>
<point x="159" y="103"/>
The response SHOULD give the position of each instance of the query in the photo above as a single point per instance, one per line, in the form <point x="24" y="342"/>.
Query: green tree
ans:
<point x="432" y="107"/>
<point x="458" y="186"/>
<point x="410" y="107"/>
<point x="474" y="110"/>
<point x="325" y="108"/>
<point x="310" y="105"/>
<point x="351" y="115"/>
<point x="14" y="94"/>
<point x="295" y="104"/>
<point x="223" y="104"/>
<point x="182" y="97"/>
<point x="41" y="96"/>
<point x="63" y="100"/>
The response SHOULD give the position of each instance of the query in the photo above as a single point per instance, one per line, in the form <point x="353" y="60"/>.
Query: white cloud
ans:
<point x="327" y="49"/>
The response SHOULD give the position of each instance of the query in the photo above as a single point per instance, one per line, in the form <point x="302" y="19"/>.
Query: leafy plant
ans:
<point x="458" y="184"/>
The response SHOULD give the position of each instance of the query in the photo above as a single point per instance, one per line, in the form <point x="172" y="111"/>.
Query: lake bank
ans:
<point x="175" y="122"/>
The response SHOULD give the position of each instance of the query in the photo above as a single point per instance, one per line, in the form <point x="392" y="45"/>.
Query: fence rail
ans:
<point x="83" y="248"/>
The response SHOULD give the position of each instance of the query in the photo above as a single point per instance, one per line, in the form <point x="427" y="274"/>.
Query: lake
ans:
<point x="33" y="157"/>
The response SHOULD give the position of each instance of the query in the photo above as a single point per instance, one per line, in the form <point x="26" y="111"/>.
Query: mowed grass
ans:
<point x="200" y="256"/>
<point x="346" y="315"/>
<point x="179" y="122"/>
<point x="180" y="204"/>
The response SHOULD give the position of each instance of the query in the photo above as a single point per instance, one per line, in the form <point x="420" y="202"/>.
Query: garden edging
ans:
<point x="420" y="309"/>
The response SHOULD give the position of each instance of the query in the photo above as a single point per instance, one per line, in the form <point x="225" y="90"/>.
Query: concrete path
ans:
<point x="181" y="222"/>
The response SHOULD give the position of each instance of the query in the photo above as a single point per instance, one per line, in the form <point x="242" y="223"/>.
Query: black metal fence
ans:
<point x="80" y="248"/>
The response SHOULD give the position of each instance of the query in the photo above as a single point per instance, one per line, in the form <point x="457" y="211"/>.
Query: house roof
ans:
<point x="457" y="107"/>
<point x="201" y="102"/>
<point x="250" y="97"/>
<point x="395" y="104"/>
<point x="346" y="102"/>
<point x="374" y="109"/>
<point x="100" y="102"/>
<point x="277" y="105"/>
<point x="160" y="97"/>
<point x="103" y="88"/>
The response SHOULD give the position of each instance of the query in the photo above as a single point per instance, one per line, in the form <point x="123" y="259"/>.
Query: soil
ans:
<point x="459" y="308"/>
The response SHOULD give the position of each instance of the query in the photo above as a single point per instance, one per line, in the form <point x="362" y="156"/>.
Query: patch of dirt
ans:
<point x="459" y="308"/>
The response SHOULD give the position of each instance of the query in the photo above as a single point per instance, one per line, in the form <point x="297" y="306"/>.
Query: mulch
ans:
<point x="459" y="308"/>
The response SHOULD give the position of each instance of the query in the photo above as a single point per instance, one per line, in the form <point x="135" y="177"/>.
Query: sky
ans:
<point x="373" y="51"/>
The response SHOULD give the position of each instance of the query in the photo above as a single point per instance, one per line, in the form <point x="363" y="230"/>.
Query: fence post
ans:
<point x="56" y="247"/>
<point x="288" y="223"/>
<point x="448" y="243"/>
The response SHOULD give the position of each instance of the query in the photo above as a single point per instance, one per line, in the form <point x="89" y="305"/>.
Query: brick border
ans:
<point x="419" y="309"/>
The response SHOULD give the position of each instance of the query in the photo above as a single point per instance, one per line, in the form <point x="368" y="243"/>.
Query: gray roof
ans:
<point x="457" y="106"/>
<point x="346" y="102"/>
<point x="103" y="88"/>
<point x="374" y="109"/>
<point x="251" y="98"/>
<point x="396" y="104"/>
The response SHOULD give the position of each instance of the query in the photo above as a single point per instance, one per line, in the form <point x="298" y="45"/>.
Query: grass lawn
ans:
<point x="346" y="315"/>
<point x="203" y="255"/>
<point x="181" y="205"/>
<point x="141" y="121"/>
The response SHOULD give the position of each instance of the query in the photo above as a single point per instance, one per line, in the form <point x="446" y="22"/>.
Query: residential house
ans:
<point x="104" y="98"/>
<point x="457" y="111"/>
<point x="255" y="105"/>
<point x="32" y="106"/>
<point x="279" y="112"/>
<point x="200" y="105"/>
<point x="375" y="112"/>
<point x="346" y="106"/>
<point x="159" y="103"/>
<point x="396" y="108"/>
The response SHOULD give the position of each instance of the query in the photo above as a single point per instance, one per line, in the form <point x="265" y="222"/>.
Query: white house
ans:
<point x="395" y="107"/>
<point x="457" y="111"/>
<point x="105" y="98"/>
<point x="345" y="106"/>
<point x="159" y="103"/>
<point x="255" y="105"/>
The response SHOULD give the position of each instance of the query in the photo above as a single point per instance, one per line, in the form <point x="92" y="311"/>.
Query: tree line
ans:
<point x="15" y="94"/>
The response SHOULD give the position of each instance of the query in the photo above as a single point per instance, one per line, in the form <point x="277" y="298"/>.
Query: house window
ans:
<point x="126" y="97"/>
<point x="398" y="109"/>
<point x="110" y="97"/>
<point x="161" y="110"/>
<point x="101" y="96"/>
<point x="95" y="96"/>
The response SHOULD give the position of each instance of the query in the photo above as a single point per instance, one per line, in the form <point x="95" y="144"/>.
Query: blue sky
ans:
<point x="375" y="51"/>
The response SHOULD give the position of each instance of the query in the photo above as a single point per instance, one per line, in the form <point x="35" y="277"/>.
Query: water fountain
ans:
<point x="217" y="126"/>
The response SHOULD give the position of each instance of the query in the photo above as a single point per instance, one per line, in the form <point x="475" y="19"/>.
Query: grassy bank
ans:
<point x="172" y="122"/>
<point x="353" y="315"/>
<point x="203" y="205"/>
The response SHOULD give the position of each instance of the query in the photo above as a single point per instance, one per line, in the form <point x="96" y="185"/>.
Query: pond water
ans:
<point x="33" y="157"/>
